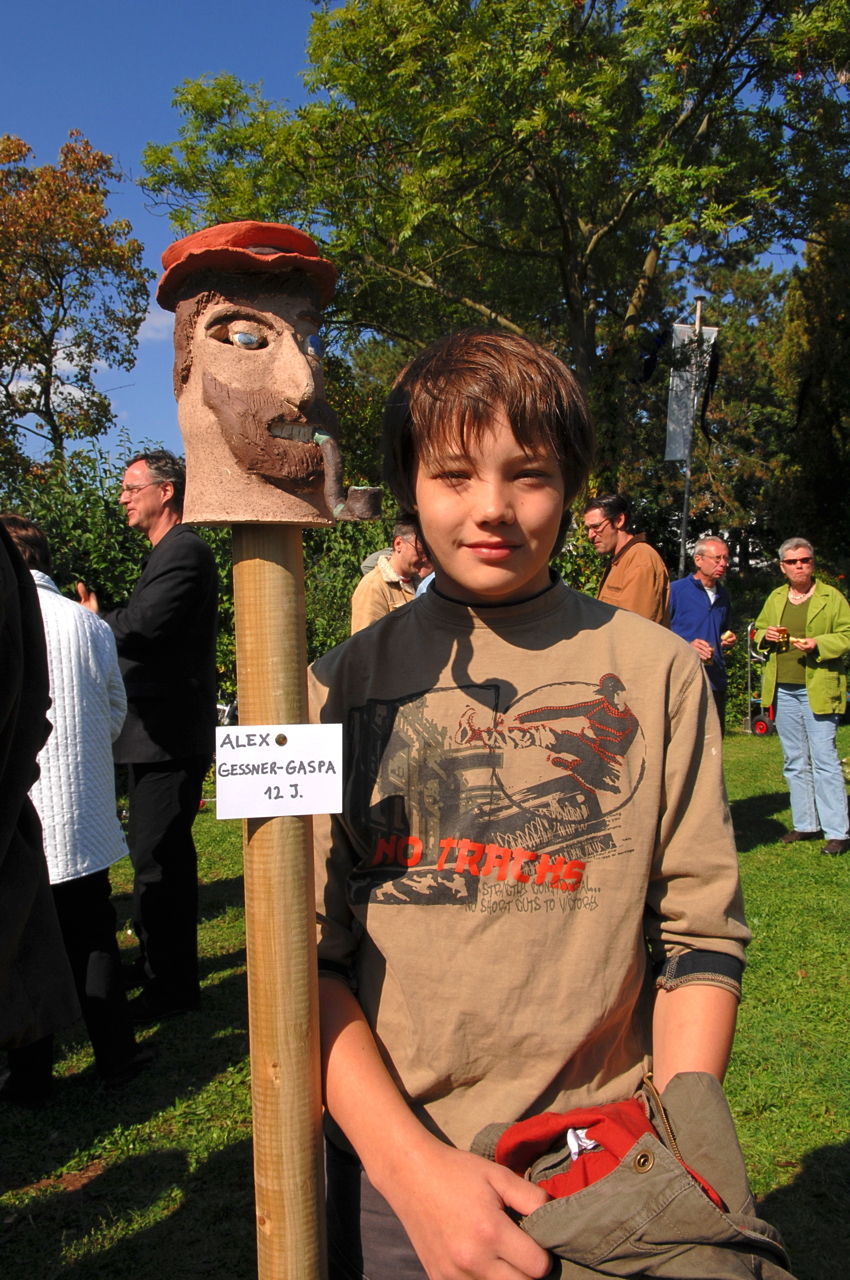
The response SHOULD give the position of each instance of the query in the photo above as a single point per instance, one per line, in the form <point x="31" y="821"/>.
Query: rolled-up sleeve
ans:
<point x="694" y="900"/>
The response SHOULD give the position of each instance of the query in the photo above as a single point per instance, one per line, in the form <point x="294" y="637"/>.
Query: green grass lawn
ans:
<point x="153" y="1181"/>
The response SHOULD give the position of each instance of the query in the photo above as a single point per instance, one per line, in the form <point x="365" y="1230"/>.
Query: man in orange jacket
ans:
<point x="636" y="577"/>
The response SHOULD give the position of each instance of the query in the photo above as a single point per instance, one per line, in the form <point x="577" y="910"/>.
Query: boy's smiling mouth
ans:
<point x="492" y="550"/>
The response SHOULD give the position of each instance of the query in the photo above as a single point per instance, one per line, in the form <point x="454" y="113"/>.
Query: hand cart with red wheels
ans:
<point x="760" y="720"/>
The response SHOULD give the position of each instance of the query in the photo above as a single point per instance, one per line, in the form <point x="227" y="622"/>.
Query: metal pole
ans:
<point x="748" y="723"/>
<point x="695" y="356"/>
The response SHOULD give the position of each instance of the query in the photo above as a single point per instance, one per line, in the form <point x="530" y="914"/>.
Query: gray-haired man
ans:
<point x="699" y="612"/>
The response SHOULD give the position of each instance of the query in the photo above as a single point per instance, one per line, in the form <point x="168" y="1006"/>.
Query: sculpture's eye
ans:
<point x="313" y="346"/>
<point x="246" y="340"/>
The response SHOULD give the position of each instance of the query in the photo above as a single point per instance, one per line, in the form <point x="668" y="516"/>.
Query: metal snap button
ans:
<point x="643" y="1161"/>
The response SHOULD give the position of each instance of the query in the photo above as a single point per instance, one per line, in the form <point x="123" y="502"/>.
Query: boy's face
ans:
<point x="491" y="518"/>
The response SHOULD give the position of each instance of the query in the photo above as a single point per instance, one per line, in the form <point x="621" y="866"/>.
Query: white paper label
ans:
<point x="276" y="770"/>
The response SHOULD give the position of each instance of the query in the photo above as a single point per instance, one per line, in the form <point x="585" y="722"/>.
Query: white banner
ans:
<point x="685" y="386"/>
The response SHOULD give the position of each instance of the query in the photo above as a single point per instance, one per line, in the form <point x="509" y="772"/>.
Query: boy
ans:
<point x="531" y="822"/>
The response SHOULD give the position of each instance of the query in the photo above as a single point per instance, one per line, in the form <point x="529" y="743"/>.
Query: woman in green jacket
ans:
<point x="805" y="628"/>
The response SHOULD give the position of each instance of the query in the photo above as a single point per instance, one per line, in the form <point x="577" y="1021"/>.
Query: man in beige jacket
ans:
<point x="636" y="577"/>
<point x="392" y="582"/>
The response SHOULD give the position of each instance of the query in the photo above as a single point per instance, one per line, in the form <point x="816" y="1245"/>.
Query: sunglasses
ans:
<point x="799" y="560"/>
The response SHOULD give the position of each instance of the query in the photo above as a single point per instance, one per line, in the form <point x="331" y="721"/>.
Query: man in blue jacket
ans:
<point x="699" y="613"/>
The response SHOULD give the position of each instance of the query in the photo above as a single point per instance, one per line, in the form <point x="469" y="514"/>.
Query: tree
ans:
<point x="533" y="165"/>
<point x="812" y="362"/>
<point x="741" y="461"/>
<point x="74" y="294"/>
<point x="74" y="499"/>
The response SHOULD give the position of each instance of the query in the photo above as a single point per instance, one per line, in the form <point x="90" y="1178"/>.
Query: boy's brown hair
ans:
<point x="447" y="396"/>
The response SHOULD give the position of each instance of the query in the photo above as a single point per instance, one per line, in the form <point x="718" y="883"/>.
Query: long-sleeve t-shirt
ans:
<point x="533" y="808"/>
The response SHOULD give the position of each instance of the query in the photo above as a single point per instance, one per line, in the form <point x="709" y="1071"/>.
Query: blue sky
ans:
<point x="110" y="70"/>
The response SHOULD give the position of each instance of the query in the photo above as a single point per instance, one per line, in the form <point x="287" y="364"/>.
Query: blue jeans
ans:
<point x="812" y="768"/>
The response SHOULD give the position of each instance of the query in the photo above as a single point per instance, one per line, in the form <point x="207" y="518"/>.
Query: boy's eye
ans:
<point x="536" y="471"/>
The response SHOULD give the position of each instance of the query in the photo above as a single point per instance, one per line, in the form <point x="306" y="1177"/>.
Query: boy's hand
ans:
<point x="452" y="1203"/>
<point x="453" y="1209"/>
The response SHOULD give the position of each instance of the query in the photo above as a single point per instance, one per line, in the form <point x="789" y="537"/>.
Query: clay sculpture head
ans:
<point x="261" y="440"/>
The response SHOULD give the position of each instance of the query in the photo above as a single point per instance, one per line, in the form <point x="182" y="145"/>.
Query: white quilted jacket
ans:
<point x="75" y="796"/>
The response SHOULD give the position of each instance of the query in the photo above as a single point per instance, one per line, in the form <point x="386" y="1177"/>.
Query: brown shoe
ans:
<point x="791" y="837"/>
<point x="834" y="848"/>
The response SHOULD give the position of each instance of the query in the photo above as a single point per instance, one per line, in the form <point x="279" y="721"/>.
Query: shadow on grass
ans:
<point x="813" y="1214"/>
<point x="214" y="897"/>
<point x="191" y="1051"/>
<point x="754" y="822"/>
<point x="210" y="1232"/>
<point x="208" y="965"/>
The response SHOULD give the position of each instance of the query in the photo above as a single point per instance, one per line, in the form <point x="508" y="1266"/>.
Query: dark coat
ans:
<point x="37" y="993"/>
<point x="166" y="649"/>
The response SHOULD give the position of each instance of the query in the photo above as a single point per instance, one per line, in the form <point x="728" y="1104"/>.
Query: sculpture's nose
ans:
<point x="294" y="374"/>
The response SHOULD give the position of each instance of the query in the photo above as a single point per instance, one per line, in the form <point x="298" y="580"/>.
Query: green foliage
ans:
<point x="812" y="361"/>
<point x="332" y="559"/>
<point x="220" y="541"/>
<point x="739" y="467"/>
<point x="358" y="398"/>
<point x="563" y="171"/>
<point x="74" y="499"/>
<point x="527" y="163"/>
<point x="578" y="563"/>
<point x="74" y="294"/>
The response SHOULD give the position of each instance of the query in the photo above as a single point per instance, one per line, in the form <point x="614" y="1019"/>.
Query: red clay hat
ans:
<point x="241" y="247"/>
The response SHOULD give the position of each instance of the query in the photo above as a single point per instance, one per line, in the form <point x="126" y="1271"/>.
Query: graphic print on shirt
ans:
<point x="456" y="800"/>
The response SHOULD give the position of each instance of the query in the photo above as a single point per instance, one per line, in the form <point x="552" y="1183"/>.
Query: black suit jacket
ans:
<point x="166" y="649"/>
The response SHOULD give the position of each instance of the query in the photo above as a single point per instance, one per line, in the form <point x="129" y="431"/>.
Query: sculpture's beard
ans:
<point x="268" y="436"/>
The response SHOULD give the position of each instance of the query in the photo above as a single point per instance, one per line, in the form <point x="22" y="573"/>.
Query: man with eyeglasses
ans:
<point x="636" y="577"/>
<point x="699" y="612"/>
<point x="166" y="638"/>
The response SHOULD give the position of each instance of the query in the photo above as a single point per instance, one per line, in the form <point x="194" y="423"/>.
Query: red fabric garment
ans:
<point x="615" y="1128"/>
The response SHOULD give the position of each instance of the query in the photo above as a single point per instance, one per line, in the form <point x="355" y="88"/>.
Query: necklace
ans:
<point x="797" y="597"/>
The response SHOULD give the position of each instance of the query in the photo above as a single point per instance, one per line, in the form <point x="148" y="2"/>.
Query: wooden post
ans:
<point x="283" y="1000"/>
